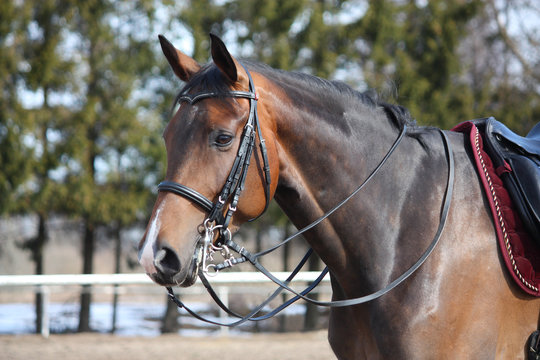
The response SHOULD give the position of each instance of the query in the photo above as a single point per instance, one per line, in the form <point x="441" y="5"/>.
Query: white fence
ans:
<point x="222" y="283"/>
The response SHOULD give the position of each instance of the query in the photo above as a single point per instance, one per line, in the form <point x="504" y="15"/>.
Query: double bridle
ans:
<point x="230" y="193"/>
<point x="218" y="219"/>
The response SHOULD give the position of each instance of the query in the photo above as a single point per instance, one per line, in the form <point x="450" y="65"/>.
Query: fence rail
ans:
<point x="225" y="278"/>
<point x="222" y="282"/>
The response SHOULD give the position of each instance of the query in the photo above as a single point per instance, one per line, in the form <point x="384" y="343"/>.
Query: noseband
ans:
<point x="230" y="193"/>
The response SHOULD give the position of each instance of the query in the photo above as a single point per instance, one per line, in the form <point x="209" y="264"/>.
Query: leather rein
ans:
<point x="230" y="194"/>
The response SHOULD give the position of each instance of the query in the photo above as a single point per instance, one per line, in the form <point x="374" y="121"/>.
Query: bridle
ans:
<point x="230" y="194"/>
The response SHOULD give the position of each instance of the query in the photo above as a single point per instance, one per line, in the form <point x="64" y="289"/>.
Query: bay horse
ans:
<point x="322" y="139"/>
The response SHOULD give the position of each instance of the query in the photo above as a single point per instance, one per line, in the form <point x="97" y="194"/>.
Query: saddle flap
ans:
<point x="523" y="178"/>
<point x="528" y="173"/>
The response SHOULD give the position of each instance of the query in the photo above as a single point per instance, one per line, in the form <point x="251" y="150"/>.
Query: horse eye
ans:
<point x="223" y="140"/>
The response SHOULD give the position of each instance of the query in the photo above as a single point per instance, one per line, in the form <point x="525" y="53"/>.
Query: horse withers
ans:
<point x="320" y="139"/>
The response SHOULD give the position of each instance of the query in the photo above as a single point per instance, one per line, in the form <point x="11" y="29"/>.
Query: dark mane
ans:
<point x="336" y="90"/>
<point x="210" y="79"/>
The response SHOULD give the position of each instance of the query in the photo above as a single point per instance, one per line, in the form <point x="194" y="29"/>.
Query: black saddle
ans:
<point x="517" y="161"/>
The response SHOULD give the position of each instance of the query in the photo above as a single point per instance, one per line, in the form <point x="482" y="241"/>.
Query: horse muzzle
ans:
<point x="166" y="268"/>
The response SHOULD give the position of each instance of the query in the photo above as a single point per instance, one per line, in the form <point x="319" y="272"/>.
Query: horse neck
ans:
<point x="324" y="156"/>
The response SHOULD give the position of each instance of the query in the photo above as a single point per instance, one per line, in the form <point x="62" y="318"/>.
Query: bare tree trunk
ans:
<point x="170" y="318"/>
<point x="37" y="255"/>
<point x="86" y="295"/>
<point x="286" y="255"/>
<point x="258" y="248"/>
<point x="117" y="269"/>
<point x="311" y="318"/>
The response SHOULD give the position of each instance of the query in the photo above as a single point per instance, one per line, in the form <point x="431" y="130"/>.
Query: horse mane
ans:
<point x="333" y="89"/>
<point x="211" y="79"/>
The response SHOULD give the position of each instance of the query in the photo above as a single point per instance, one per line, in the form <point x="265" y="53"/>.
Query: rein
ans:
<point x="231" y="192"/>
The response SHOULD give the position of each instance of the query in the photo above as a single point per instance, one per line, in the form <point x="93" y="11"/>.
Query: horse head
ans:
<point x="204" y="141"/>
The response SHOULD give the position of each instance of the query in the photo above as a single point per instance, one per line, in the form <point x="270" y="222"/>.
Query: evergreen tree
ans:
<point x="48" y="74"/>
<point x="323" y="38"/>
<point x="202" y="17"/>
<point x="109" y="146"/>
<point x="263" y="29"/>
<point x="14" y="153"/>
<point x="414" y="48"/>
<point x="289" y="34"/>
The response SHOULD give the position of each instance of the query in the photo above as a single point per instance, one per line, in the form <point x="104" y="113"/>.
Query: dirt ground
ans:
<point x="288" y="346"/>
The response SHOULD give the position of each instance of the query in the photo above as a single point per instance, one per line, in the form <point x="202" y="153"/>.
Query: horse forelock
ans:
<point x="208" y="79"/>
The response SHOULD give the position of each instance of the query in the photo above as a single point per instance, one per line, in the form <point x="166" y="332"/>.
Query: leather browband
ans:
<point x="193" y="98"/>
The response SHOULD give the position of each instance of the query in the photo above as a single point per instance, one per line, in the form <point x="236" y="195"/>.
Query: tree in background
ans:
<point x="410" y="51"/>
<point x="450" y="61"/>
<point x="201" y="17"/>
<point x="15" y="169"/>
<point x="502" y="56"/>
<point x="50" y="75"/>
<point x="109" y="144"/>
<point x="263" y="29"/>
<point x="90" y="73"/>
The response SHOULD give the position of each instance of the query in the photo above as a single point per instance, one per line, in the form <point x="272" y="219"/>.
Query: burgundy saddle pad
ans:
<point x="520" y="253"/>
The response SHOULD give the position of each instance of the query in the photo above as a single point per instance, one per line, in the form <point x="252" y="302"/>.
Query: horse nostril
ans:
<point x="167" y="262"/>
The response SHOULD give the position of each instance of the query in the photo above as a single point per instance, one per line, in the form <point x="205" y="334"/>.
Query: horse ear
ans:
<point x="183" y="66"/>
<point x="223" y="59"/>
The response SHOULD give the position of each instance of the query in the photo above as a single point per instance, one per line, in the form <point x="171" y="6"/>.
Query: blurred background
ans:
<point x="85" y="94"/>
